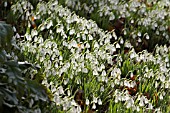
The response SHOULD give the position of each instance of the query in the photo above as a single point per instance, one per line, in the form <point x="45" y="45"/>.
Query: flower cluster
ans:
<point x="74" y="53"/>
<point x="136" y="20"/>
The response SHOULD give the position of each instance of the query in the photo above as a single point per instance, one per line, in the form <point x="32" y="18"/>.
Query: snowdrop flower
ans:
<point x="99" y="101"/>
<point x="166" y="59"/>
<point x="102" y="89"/>
<point x="126" y="83"/>
<point x="96" y="45"/>
<point x="117" y="46"/>
<point x="87" y="101"/>
<point x="94" y="106"/>
<point x="103" y="73"/>
<point x="34" y="33"/>
<point x="14" y="29"/>
<point x="130" y="103"/>
<point x="73" y="43"/>
<point x="79" y="109"/>
<point x="28" y="37"/>
<point x="133" y="84"/>
<point x="72" y="31"/>
<point x="60" y="28"/>
<point x="112" y="84"/>
<point x="112" y="16"/>
<point x="87" y="45"/>
<point x="156" y="84"/>
<point x="162" y="78"/>
<point x="85" y="70"/>
<point x="94" y="99"/>
<point x="60" y="89"/>
<point x="141" y="103"/>
<point x="132" y="55"/>
<point x="150" y="106"/>
<point x="147" y="37"/>
<point x="49" y="24"/>
<point x="137" y="108"/>
<point x="17" y="35"/>
<point x="5" y="4"/>
<point x="114" y="35"/>
<point x="117" y="81"/>
<point x="83" y="36"/>
<point x="121" y="41"/>
<point x="139" y="34"/>
<point x="161" y="96"/>
<point x="132" y="21"/>
<point x="107" y="40"/>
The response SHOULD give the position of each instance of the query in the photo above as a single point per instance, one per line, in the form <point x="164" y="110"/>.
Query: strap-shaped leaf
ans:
<point x="6" y="34"/>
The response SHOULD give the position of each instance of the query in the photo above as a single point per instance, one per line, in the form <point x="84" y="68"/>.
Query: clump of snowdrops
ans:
<point x="75" y="54"/>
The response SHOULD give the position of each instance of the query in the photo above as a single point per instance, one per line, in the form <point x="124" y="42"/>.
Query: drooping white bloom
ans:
<point x="96" y="45"/>
<point x="94" y="106"/>
<point x="117" y="46"/>
<point x="102" y="89"/>
<point x="147" y="37"/>
<point x="130" y="103"/>
<point x="99" y="101"/>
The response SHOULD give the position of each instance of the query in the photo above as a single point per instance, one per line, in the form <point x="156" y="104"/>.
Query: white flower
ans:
<point x="147" y="37"/>
<point x="166" y="59"/>
<point x="130" y="103"/>
<point x="87" y="102"/>
<point x="107" y="40"/>
<point x="72" y="31"/>
<point x="90" y="37"/>
<point x="53" y="89"/>
<point x="95" y="72"/>
<point x="96" y="45"/>
<point x="5" y="4"/>
<point x="103" y="73"/>
<point x="99" y="101"/>
<point x="94" y="99"/>
<point x="83" y="36"/>
<point x="162" y="78"/>
<point x="126" y="83"/>
<point x="28" y="37"/>
<point x="150" y="106"/>
<point x="141" y="103"/>
<point x="49" y="24"/>
<point x="17" y="35"/>
<point x="60" y="89"/>
<point x="121" y="41"/>
<point x="94" y="106"/>
<point x="112" y="84"/>
<point x="139" y="34"/>
<point x="102" y="89"/>
<point x="14" y="29"/>
<point x="133" y="84"/>
<point x="112" y="17"/>
<point x="114" y="35"/>
<point x="117" y="45"/>
<point x="66" y="81"/>
<point x="68" y="92"/>
<point x="161" y="96"/>
<point x="139" y="40"/>
<point x="132" y="55"/>
<point x="85" y="70"/>
<point x="79" y="109"/>
<point x="137" y="108"/>
<point x="73" y="43"/>
<point x="87" y="45"/>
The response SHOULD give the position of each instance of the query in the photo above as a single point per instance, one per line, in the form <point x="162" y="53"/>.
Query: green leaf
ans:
<point x="6" y="34"/>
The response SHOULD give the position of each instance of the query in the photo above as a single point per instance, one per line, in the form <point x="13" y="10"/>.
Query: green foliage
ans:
<point x="17" y="93"/>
